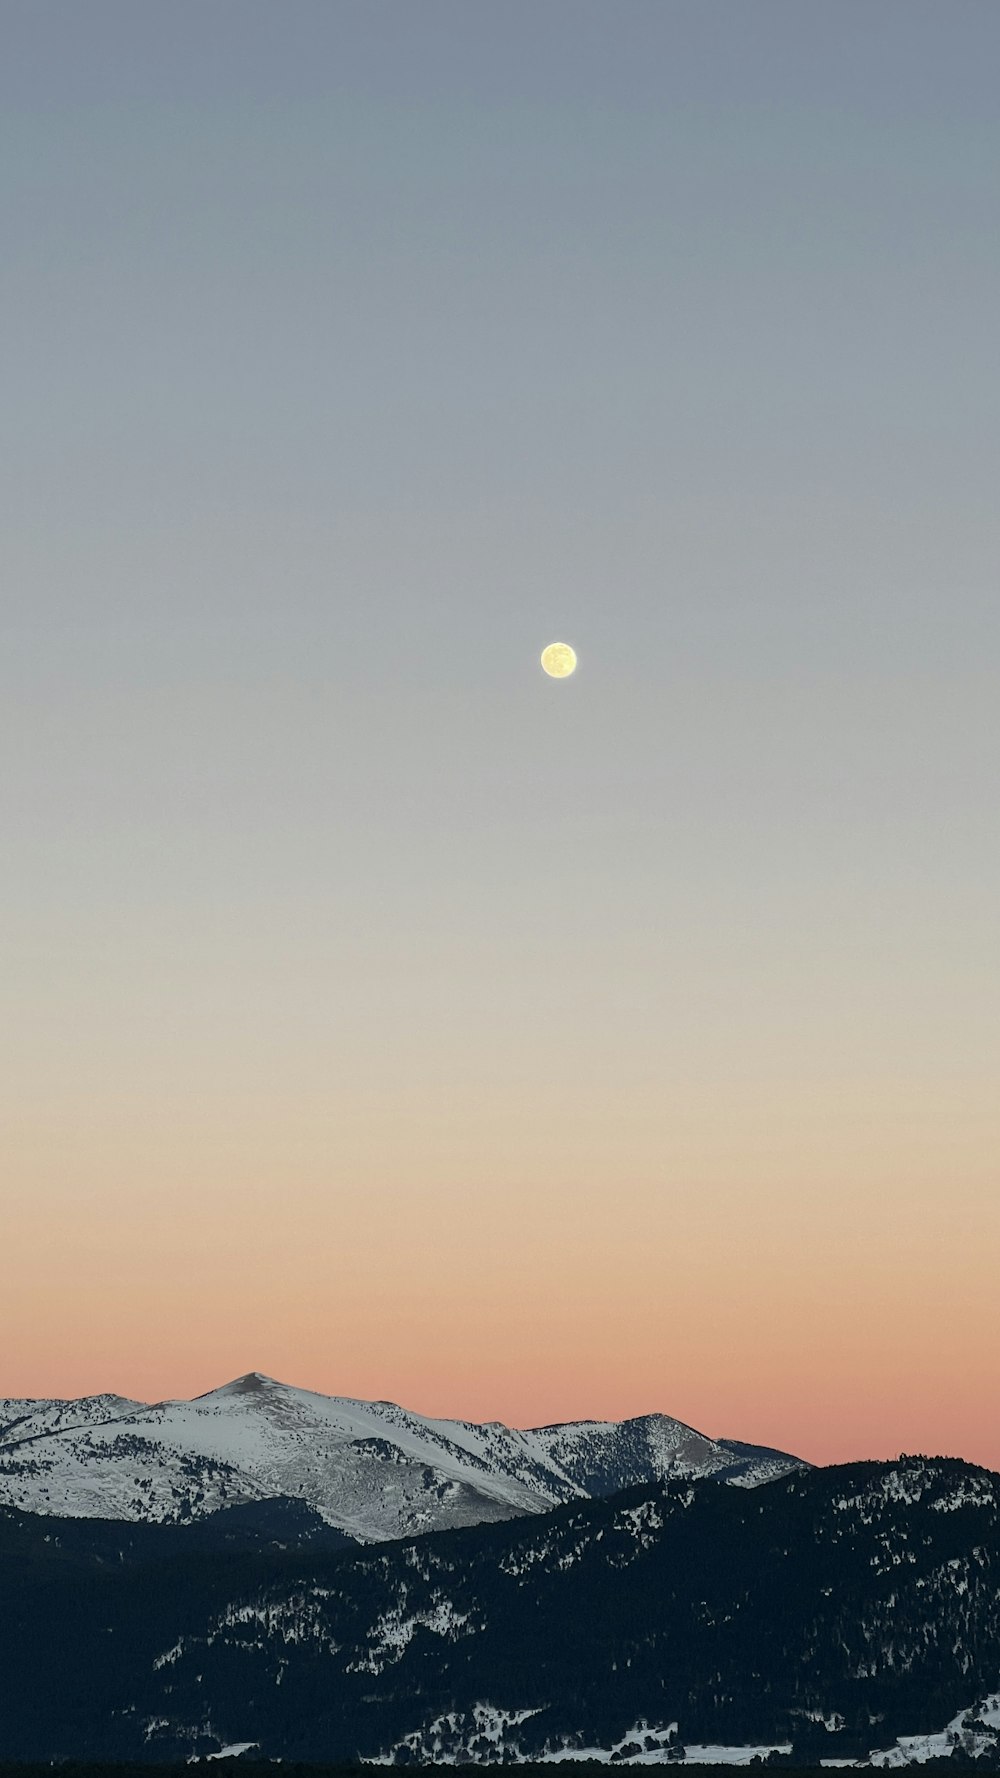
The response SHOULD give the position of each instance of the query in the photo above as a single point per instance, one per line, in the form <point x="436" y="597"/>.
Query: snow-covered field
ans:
<point x="490" y="1732"/>
<point x="975" y="1731"/>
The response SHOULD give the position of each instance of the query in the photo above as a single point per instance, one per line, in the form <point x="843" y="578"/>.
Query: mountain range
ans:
<point x="373" y="1470"/>
<point x="844" y="1616"/>
<point x="269" y="1572"/>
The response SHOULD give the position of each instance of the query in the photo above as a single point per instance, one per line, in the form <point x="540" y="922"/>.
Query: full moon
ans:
<point x="559" y="660"/>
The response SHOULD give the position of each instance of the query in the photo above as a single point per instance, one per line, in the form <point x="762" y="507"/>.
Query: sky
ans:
<point x="377" y="1012"/>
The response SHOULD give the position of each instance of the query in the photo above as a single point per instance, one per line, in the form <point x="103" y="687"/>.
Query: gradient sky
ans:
<point x="376" y="1012"/>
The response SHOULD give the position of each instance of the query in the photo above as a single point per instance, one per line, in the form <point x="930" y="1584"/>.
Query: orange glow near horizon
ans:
<point x="836" y="1324"/>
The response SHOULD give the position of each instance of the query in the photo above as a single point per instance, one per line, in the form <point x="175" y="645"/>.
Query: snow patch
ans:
<point x="460" y="1738"/>
<point x="711" y="1755"/>
<point x="393" y="1632"/>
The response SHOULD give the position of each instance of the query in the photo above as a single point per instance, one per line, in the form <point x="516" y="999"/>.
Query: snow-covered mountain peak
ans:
<point x="374" y="1469"/>
<point x="253" y="1383"/>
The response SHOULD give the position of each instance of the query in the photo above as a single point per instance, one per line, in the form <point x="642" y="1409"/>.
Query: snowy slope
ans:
<point x="372" y="1468"/>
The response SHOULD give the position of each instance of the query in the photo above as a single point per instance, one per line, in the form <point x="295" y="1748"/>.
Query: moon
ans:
<point x="559" y="660"/>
